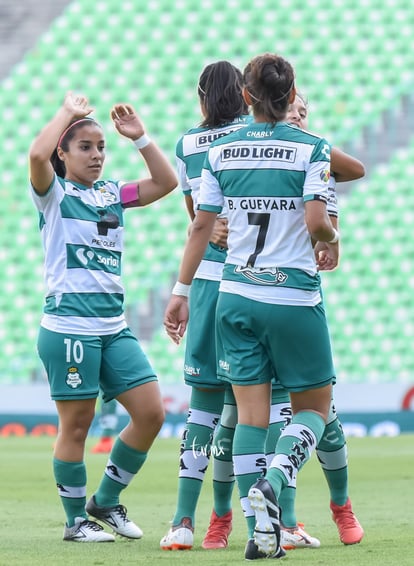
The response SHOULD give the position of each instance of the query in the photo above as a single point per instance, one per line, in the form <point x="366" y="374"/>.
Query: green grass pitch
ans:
<point x="381" y="489"/>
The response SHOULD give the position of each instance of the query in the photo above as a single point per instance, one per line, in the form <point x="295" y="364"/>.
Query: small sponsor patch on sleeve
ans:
<point x="325" y="175"/>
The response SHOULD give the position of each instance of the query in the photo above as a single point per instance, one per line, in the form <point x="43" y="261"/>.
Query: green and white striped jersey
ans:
<point x="263" y="176"/>
<point x="191" y="151"/>
<point x="82" y="235"/>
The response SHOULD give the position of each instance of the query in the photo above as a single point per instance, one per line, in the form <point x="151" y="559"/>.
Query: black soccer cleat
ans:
<point x="251" y="552"/>
<point x="267" y="512"/>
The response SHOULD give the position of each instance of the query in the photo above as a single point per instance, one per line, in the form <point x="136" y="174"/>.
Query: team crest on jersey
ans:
<point x="263" y="275"/>
<point x="73" y="378"/>
<point x="109" y="197"/>
<point x="325" y="175"/>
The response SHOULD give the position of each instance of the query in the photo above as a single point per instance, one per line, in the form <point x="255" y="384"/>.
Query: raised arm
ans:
<point x="345" y="167"/>
<point x="162" y="178"/>
<point x="41" y="170"/>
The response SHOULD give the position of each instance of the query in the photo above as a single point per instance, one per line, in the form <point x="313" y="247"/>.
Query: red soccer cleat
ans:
<point x="350" y="531"/>
<point x="218" y="531"/>
<point x="104" y="446"/>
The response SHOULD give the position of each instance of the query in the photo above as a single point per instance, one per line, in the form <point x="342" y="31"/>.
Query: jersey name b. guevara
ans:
<point x="263" y="176"/>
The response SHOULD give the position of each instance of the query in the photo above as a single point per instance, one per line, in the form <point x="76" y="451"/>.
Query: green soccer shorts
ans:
<point x="258" y="342"/>
<point x="78" y="365"/>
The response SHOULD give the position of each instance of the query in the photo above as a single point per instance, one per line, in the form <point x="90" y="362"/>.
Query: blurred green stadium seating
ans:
<point x="352" y="61"/>
<point x="369" y="298"/>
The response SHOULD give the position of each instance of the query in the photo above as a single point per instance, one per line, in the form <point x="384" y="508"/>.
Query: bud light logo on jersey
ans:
<point x="252" y="152"/>
<point x="205" y="139"/>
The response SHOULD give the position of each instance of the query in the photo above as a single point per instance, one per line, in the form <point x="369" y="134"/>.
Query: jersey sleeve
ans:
<point x="332" y="205"/>
<point x="182" y="175"/>
<point x="211" y="198"/>
<point x="318" y="173"/>
<point x="181" y="167"/>
<point x="55" y="191"/>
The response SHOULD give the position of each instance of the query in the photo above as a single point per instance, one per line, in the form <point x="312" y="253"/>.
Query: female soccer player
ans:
<point x="273" y="180"/>
<point x="224" y="111"/>
<point x="84" y="341"/>
<point x="332" y="449"/>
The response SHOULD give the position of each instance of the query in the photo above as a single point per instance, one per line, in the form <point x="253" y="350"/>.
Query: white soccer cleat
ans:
<point x="297" y="537"/>
<point x="179" y="537"/>
<point x="86" y="531"/>
<point x="115" y="517"/>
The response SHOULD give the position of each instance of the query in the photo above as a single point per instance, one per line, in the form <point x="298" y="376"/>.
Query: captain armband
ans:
<point x="130" y="195"/>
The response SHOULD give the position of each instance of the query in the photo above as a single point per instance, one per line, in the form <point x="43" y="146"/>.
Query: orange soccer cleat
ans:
<point x="350" y="531"/>
<point x="104" y="446"/>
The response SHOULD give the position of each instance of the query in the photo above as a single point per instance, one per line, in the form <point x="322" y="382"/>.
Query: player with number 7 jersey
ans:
<point x="264" y="177"/>
<point x="270" y="320"/>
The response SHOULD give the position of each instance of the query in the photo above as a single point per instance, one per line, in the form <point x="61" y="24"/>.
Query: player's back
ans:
<point x="266" y="174"/>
